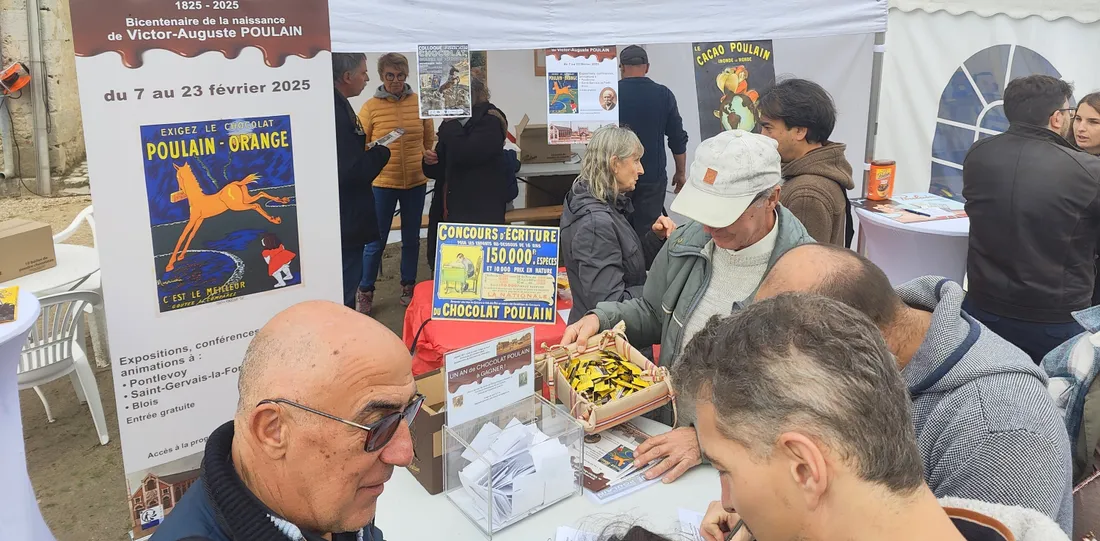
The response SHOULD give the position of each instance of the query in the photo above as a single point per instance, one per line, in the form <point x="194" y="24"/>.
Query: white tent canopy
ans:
<point x="400" y="25"/>
<point x="947" y="64"/>
<point x="1085" y="11"/>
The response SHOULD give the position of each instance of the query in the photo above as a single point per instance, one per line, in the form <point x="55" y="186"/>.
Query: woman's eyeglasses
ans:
<point x="396" y="77"/>
<point x="379" y="433"/>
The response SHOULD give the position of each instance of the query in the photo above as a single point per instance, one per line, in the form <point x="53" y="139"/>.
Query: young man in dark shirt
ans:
<point x="649" y="109"/>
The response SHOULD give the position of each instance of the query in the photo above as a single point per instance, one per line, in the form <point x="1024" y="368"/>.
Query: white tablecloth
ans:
<point x="908" y="251"/>
<point x="406" y="512"/>
<point x="19" y="515"/>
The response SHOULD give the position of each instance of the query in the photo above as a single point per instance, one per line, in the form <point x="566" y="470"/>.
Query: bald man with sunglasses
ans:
<point x="326" y="398"/>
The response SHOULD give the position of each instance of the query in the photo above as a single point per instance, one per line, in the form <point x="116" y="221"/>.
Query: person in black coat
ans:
<point x="357" y="166"/>
<point x="471" y="171"/>
<point x="603" y="256"/>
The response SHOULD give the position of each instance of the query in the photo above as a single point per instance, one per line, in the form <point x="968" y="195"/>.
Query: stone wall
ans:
<point x="66" y="133"/>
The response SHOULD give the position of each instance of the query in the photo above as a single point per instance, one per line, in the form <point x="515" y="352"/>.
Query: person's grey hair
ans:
<point x="345" y="62"/>
<point x="479" y="91"/>
<point x="804" y="363"/>
<point x="396" y="61"/>
<point x="607" y="143"/>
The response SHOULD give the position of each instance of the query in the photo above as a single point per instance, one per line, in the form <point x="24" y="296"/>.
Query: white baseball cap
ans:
<point x="729" y="170"/>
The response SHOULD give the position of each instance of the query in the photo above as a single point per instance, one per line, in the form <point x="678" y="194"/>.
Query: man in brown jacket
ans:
<point x="800" y="115"/>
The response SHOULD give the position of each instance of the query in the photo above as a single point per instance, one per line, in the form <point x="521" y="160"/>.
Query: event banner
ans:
<point x="582" y="93"/>
<point x="443" y="81"/>
<point x="200" y="120"/>
<point x="504" y="273"/>
<point x="489" y="376"/>
<point x="729" y="78"/>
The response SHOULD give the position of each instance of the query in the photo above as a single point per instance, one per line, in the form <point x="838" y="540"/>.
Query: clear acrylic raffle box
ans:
<point x="505" y="466"/>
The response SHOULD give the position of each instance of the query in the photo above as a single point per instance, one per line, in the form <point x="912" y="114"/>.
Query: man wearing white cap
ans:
<point x="709" y="266"/>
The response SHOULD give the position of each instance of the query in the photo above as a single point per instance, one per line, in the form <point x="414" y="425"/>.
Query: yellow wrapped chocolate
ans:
<point x="604" y="376"/>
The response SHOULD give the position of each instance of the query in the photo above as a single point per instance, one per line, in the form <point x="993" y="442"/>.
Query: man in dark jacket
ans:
<point x="649" y="109"/>
<point x="1034" y="207"/>
<point x="357" y="166"/>
<point x="326" y="395"/>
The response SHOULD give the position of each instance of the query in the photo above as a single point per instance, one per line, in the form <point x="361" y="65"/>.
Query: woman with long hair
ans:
<point x="604" y="258"/>
<point x="1086" y="124"/>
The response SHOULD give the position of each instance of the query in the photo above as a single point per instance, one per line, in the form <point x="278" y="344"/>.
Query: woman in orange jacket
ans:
<point x="394" y="105"/>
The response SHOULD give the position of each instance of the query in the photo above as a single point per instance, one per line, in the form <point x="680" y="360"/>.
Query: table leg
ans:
<point x="20" y="517"/>
<point x="97" y="327"/>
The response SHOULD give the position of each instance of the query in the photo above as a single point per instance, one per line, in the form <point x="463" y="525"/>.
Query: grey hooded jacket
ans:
<point x="986" y="426"/>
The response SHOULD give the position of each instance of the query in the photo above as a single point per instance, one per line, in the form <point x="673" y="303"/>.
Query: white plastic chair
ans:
<point x="55" y="349"/>
<point x="93" y="283"/>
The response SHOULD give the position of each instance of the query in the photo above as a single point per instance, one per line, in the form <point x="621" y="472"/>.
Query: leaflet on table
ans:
<point x="9" y="304"/>
<point x="505" y="273"/>
<point x="730" y="77"/>
<point x="691" y="523"/>
<point x="582" y="93"/>
<point x="911" y="208"/>
<point x="519" y="468"/>
<point x="195" y="113"/>
<point x="609" y="455"/>
<point x="443" y="81"/>
<point x="489" y="376"/>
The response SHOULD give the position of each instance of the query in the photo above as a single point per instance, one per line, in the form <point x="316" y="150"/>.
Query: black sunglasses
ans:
<point x="379" y="433"/>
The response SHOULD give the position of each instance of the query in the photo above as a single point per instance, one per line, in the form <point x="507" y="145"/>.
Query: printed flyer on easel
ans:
<point x="582" y="93"/>
<point x="200" y="119"/>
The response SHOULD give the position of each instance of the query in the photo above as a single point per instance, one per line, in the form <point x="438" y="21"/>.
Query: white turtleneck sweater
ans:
<point x="734" y="276"/>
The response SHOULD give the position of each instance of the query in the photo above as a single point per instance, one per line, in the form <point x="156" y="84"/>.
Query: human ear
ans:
<point x="800" y="133"/>
<point x="806" y="465"/>
<point x="268" y="428"/>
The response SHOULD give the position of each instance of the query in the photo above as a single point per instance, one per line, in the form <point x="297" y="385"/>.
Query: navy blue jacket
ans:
<point x="649" y="109"/>
<point x="218" y="506"/>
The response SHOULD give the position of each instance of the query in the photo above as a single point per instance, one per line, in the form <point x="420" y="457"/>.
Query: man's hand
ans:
<point x="663" y="227"/>
<point x="678" y="181"/>
<point x="579" y="332"/>
<point x="678" y="447"/>
<point x="718" y="523"/>
<point x="430" y="157"/>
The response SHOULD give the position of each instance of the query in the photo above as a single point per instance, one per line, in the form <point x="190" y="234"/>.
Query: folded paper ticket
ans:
<point x="385" y="140"/>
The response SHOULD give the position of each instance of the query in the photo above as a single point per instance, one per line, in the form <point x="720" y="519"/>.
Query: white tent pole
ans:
<point x="872" y="128"/>
<point x="872" y="112"/>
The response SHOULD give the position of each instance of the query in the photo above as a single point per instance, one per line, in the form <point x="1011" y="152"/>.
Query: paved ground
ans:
<point x="79" y="484"/>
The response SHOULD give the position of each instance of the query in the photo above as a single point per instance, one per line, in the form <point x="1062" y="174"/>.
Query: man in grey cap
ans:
<point x="710" y="266"/>
<point x="649" y="109"/>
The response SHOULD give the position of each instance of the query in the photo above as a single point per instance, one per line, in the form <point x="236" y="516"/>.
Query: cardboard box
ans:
<point x="427" y="430"/>
<point x="533" y="145"/>
<point x="26" y="247"/>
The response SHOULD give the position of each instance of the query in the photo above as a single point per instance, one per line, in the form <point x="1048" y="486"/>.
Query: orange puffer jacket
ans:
<point x="382" y="114"/>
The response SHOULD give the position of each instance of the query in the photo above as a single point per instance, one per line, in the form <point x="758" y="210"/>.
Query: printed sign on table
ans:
<point x="194" y="115"/>
<point x="729" y="78"/>
<point x="489" y="376"/>
<point x="443" y="81"/>
<point x="504" y="273"/>
<point x="582" y="93"/>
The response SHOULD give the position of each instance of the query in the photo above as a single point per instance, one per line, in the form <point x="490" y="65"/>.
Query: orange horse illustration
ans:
<point x="234" y="197"/>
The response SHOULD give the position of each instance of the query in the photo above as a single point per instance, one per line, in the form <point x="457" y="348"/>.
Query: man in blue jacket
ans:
<point x="986" y="426"/>
<point x="326" y="396"/>
<point x="649" y="109"/>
